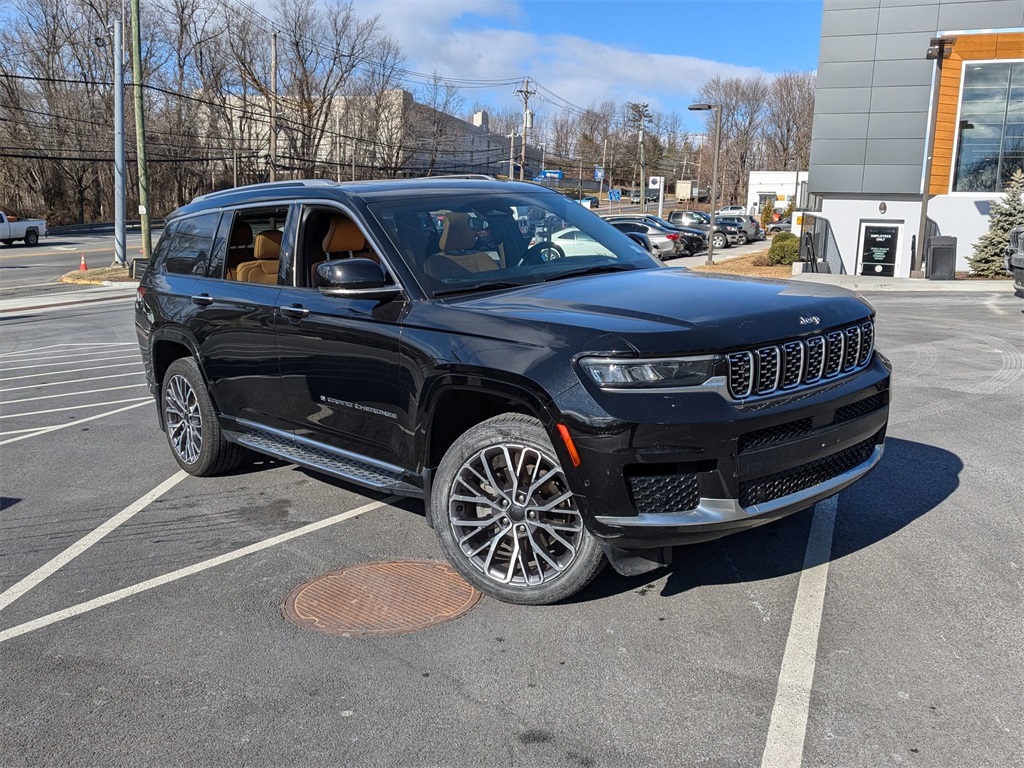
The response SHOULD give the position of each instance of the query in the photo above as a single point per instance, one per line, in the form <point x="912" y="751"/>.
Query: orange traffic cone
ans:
<point x="82" y="267"/>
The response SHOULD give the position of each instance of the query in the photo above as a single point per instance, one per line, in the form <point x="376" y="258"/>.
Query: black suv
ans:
<point x="554" y="407"/>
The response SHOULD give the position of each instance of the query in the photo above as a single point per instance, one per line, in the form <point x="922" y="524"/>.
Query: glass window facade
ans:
<point x="990" y="135"/>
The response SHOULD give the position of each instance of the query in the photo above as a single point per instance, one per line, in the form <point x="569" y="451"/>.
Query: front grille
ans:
<point x="861" y="407"/>
<point x="664" y="493"/>
<point x="802" y="362"/>
<point x="770" y="435"/>
<point x="772" y="487"/>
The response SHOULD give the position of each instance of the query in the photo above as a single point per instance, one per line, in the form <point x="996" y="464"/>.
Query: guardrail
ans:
<point x="85" y="229"/>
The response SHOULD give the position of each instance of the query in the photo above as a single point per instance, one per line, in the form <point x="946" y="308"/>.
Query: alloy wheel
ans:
<point x="182" y="419"/>
<point x="513" y="515"/>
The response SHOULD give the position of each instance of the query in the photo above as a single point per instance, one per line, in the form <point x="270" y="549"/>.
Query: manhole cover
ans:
<point x="382" y="598"/>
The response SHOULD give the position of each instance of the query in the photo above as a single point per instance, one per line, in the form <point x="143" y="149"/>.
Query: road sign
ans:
<point x="614" y="195"/>
<point x="656" y="182"/>
<point x="598" y="173"/>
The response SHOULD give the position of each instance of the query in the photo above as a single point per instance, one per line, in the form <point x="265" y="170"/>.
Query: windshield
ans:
<point x="484" y="241"/>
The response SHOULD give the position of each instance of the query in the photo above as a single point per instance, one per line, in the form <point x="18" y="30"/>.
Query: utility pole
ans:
<point x="337" y="131"/>
<point x="273" y="105"/>
<point x="120" y="250"/>
<point x="511" y="154"/>
<point x="525" y="93"/>
<point x="640" y="114"/>
<point x="140" y="131"/>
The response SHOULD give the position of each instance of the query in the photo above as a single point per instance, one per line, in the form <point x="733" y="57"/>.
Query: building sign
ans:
<point x="878" y="252"/>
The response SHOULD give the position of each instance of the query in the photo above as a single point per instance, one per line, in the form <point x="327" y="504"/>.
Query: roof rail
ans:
<point x="268" y="186"/>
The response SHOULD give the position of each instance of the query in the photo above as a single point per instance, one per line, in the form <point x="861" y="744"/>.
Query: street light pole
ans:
<point x="714" y="172"/>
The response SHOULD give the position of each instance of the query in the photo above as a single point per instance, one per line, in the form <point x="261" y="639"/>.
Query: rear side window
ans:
<point x="188" y="251"/>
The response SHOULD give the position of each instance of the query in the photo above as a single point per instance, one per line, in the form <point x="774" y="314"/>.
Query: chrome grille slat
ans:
<point x="800" y="363"/>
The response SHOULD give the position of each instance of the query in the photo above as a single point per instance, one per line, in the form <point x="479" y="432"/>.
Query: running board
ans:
<point x="322" y="458"/>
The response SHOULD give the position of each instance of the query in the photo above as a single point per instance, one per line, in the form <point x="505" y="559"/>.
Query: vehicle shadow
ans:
<point x="910" y="481"/>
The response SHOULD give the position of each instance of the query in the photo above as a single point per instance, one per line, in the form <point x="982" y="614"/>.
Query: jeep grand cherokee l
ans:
<point x="552" y="410"/>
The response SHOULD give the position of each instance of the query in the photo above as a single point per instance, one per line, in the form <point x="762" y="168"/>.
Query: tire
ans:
<point x="31" y="237"/>
<point x="482" y="522"/>
<point x="743" y="239"/>
<point x="719" y="240"/>
<point x="193" y="433"/>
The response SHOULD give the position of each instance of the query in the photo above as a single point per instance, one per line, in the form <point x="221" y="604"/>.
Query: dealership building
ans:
<point x="919" y="109"/>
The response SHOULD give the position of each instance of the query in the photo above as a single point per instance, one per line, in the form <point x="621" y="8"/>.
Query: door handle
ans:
<point x="203" y="300"/>
<point x="294" y="310"/>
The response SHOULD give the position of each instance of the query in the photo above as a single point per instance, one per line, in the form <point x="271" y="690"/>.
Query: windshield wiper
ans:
<point x="591" y="270"/>
<point x="491" y="286"/>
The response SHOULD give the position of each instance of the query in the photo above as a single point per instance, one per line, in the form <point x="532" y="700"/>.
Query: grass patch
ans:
<point x="743" y="265"/>
<point x="96" y="276"/>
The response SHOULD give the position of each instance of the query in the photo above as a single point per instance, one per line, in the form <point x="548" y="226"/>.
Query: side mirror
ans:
<point x="354" y="278"/>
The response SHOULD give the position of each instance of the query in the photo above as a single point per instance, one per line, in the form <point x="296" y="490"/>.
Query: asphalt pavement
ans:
<point x="140" y="619"/>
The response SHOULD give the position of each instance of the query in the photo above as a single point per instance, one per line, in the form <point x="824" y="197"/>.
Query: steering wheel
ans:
<point x="542" y="252"/>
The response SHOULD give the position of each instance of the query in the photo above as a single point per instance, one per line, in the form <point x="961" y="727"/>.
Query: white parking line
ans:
<point x="57" y="427"/>
<point x="181" y="573"/>
<point x="73" y="381"/>
<point x="64" y="360"/>
<point x="44" y="571"/>
<point x="72" y="394"/>
<point x="70" y="408"/>
<point x="788" y="727"/>
<point x="68" y="344"/>
<point x="71" y="370"/>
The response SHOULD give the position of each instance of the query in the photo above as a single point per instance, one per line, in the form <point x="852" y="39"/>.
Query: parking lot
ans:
<point x="141" y="621"/>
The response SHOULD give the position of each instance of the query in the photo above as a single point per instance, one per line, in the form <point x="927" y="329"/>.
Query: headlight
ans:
<point x="619" y="373"/>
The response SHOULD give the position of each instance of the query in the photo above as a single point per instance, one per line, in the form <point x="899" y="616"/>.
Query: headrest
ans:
<point x="343" y="235"/>
<point x="267" y="245"/>
<point x="241" y="235"/>
<point x="456" y="235"/>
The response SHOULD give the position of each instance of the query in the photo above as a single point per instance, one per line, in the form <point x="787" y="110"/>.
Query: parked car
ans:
<point x="748" y="227"/>
<point x="1015" y="258"/>
<point x="782" y="225"/>
<point x="551" y="414"/>
<point x="651" y="195"/>
<point x="590" y="201"/>
<point x="12" y="228"/>
<point x="666" y="243"/>
<point x="731" y="210"/>
<point x="573" y="241"/>
<point x="724" y="235"/>
<point x="693" y="241"/>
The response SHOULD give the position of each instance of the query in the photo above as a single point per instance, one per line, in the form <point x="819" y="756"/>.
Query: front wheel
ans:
<point x="720" y="241"/>
<point x="506" y="518"/>
<point x="193" y="433"/>
<point x="31" y="237"/>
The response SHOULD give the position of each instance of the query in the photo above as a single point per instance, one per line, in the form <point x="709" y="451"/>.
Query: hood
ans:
<point x="665" y="310"/>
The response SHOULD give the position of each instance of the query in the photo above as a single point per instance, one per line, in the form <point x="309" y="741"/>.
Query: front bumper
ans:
<point x="712" y="467"/>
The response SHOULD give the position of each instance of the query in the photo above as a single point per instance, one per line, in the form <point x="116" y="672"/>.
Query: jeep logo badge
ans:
<point x="812" y="320"/>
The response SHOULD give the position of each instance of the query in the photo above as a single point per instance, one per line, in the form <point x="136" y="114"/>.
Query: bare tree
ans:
<point x="434" y="124"/>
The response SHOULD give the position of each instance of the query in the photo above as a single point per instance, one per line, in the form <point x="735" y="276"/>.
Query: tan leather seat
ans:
<point x="457" y="255"/>
<point x="343" y="240"/>
<point x="240" y="248"/>
<point x="267" y="250"/>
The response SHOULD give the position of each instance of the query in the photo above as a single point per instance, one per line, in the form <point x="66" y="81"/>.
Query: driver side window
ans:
<point x="327" y="234"/>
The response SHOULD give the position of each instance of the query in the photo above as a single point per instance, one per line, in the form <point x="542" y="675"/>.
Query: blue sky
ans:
<point x="657" y="51"/>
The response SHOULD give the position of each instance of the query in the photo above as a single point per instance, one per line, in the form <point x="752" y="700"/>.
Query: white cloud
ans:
<point x="579" y="70"/>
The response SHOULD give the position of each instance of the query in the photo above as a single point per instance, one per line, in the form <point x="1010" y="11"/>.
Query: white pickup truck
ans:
<point x="29" y="230"/>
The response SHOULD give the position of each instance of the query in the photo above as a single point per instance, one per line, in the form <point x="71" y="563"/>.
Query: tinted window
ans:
<point x="188" y="251"/>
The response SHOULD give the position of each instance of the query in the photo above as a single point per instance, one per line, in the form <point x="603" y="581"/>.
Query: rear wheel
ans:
<point x="743" y="238"/>
<point x="195" y="437"/>
<point x="506" y="518"/>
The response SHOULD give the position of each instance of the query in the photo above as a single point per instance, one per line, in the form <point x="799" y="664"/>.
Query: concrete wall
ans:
<point x="871" y="107"/>
<point x="965" y="217"/>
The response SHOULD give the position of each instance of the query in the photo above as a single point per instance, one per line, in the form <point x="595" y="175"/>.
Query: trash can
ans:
<point x="941" y="256"/>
